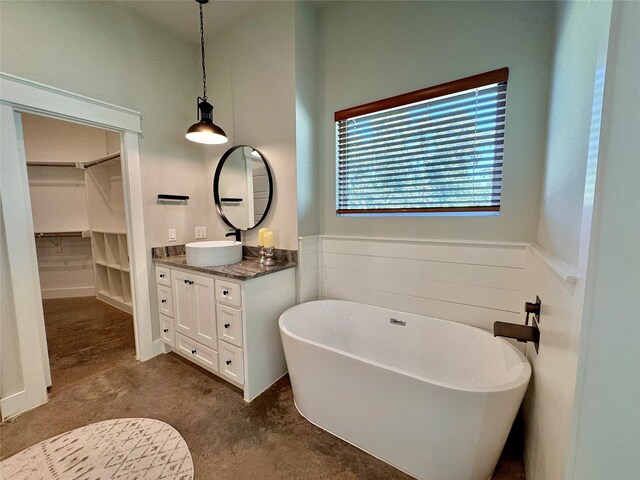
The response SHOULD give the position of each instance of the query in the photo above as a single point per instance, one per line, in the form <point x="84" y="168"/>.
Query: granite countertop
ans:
<point x="247" y="269"/>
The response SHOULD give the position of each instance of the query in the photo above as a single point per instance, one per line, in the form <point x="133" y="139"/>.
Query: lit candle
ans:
<point x="267" y="238"/>
<point x="261" y="236"/>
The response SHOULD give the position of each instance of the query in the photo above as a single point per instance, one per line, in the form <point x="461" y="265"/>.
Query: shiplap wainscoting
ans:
<point x="548" y="405"/>
<point x="308" y="269"/>
<point x="468" y="282"/>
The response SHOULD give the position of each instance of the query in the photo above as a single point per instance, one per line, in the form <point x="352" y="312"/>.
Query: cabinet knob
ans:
<point x="164" y="300"/>
<point x="227" y="325"/>
<point x="165" y="330"/>
<point x="186" y="281"/>
<point x="193" y="351"/>
<point x="190" y="282"/>
<point x="225" y="292"/>
<point x="228" y="362"/>
<point x="162" y="275"/>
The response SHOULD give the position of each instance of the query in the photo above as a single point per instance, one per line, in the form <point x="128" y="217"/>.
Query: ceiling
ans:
<point x="182" y="18"/>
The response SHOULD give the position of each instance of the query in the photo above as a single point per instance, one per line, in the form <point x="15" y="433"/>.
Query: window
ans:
<point x="433" y="150"/>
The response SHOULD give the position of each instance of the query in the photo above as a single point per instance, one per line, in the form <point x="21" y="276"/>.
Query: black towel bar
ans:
<point x="166" y="196"/>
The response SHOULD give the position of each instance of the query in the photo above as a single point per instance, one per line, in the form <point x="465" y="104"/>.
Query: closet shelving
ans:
<point x="111" y="260"/>
<point x="87" y="194"/>
<point x="75" y="183"/>
<point x="108" y="235"/>
<point x="109" y="246"/>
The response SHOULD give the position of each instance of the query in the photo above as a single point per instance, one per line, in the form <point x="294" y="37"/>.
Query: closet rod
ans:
<point x="59" y="234"/>
<point x="51" y="164"/>
<point x="113" y="156"/>
<point x="100" y="160"/>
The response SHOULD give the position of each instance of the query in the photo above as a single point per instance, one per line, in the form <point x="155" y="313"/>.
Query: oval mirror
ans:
<point x="243" y="187"/>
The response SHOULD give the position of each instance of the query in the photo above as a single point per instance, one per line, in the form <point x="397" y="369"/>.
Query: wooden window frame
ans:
<point x="475" y="81"/>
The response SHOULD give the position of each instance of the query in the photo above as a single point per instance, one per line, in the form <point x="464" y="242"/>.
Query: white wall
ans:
<point x="251" y="83"/>
<point x="65" y="267"/>
<point x="102" y="50"/>
<point x="51" y="140"/>
<point x="308" y="132"/>
<point x="58" y="199"/>
<point x="579" y="51"/>
<point x="606" y="432"/>
<point x="373" y="50"/>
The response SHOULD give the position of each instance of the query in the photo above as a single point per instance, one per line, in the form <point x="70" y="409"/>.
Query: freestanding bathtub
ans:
<point x="433" y="398"/>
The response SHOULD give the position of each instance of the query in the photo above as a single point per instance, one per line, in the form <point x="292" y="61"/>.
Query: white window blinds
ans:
<point x="439" y="149"/>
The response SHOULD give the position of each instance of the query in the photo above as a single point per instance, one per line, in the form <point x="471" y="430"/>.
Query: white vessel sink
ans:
<point x="213" y="253"/>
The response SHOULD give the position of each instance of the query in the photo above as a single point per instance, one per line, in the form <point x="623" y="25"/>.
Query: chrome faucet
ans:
<point x="522" y="333"/>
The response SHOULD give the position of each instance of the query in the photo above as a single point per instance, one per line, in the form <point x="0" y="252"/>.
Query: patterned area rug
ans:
<point x="126" y="448"/>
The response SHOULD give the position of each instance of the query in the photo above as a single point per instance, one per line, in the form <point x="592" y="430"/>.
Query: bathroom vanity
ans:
<point x="225" y="318"/>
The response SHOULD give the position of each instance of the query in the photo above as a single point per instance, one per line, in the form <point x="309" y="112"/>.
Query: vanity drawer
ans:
<point x="167" y="334"/>
<point x="231" y="362"/>
<point x="229" y="324"/>
<point x="197" y="353"/>
<point x="165" y="301"/>
<point x="163" y="276"/>
<point x="229" y="293"/>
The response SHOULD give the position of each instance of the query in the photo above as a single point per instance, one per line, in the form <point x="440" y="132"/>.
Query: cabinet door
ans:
<point x="194" y="310"/>
<point x="182" y="302"/>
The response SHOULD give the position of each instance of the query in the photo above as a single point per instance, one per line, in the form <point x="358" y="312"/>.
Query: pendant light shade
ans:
<point x="205" y="131"/>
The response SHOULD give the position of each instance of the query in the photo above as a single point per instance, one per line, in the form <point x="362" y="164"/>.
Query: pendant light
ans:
<point x="205" y="131"/>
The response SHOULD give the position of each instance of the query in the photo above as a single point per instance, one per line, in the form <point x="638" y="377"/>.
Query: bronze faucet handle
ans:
<point x="532" y="308"/>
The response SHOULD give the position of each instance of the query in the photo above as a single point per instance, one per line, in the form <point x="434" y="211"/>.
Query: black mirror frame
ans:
<point x="216" y="192"/>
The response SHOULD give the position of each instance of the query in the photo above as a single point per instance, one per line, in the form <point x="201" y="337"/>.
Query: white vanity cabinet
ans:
<point x="194" y="307"/>
<point x="227" y="326"/>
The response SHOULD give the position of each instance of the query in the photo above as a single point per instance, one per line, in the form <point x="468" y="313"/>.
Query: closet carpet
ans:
<point x="228" y="438"/>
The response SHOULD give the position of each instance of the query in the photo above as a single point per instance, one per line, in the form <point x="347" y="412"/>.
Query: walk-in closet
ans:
<point x="75" y="184"/>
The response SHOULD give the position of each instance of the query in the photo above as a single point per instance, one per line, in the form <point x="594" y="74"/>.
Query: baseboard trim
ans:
<point x="115" y="303"/>
<point x="14" y="404"/>
<point x="68" y="292"/>
<point x="160" y="347"/>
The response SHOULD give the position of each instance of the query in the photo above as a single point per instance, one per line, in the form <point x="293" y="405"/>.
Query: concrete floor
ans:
<point x="96" y="378"/>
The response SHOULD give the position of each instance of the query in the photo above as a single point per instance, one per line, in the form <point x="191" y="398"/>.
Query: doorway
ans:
<point x="77" y="206"/>
<point x="25" y="363"/>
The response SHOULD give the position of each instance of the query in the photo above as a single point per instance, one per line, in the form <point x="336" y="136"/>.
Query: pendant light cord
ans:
<point x="204" y="72"/>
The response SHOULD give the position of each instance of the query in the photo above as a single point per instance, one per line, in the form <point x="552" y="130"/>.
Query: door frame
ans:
<point x="19" y="95"/>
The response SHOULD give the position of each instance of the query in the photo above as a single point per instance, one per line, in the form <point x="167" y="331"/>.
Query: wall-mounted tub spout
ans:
<point x="522" y="333"/>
